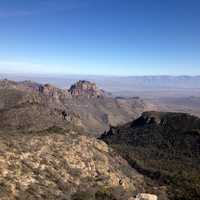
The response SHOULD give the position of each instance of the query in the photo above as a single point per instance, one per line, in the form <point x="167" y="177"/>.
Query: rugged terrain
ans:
<point x="165" y="148"/>
<point x="45" y="152"/>
<point x="57" y="164"/>
<point x="48" y="149"/>
<point x="32" y="106"/>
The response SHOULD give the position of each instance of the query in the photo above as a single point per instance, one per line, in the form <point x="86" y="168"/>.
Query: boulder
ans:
<point x="146" y="196"/>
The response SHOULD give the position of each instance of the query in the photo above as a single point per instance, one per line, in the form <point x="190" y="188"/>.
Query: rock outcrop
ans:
<point x="86" y="88"/>
<point x="53" y="92"/>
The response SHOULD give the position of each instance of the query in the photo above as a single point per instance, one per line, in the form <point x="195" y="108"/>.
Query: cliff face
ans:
<point x="86" y="88"/>
<point x="165" y="147"/>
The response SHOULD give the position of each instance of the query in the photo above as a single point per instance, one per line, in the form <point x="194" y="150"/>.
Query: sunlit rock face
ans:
<point x="85" y="88"/>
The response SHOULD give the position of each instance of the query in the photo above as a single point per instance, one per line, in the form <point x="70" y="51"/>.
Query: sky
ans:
<point x="100" y="37"/>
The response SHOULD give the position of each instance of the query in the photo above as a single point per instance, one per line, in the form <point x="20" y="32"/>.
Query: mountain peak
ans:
<point x="85" y="88"/>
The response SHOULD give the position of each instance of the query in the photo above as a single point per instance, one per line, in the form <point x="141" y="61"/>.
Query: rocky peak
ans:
<point x="85" y="88"/>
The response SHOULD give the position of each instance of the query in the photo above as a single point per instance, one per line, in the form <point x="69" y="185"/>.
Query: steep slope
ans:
<point x="34" y="106"/>
<point x="165" y="147"/>
<point x="55" y="164"/>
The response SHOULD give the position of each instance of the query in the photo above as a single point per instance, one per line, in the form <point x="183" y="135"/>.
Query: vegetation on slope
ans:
<point x="165" y="147"/>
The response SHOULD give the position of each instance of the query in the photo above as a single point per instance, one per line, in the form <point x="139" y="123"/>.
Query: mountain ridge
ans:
<point x="164" y="147"/>
<point x="28" y="104"/>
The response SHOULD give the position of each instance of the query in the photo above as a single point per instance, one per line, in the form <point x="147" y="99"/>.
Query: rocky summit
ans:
<point x="86" y="88"/>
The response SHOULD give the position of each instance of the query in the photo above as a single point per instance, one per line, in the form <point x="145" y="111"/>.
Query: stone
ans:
<point x="146" y="196"/>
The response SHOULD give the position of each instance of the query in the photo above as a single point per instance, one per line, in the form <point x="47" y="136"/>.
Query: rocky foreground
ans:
<point x="63" y="165"/>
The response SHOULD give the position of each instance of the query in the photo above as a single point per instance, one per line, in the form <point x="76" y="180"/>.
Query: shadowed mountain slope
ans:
<point x="165" y="147"/>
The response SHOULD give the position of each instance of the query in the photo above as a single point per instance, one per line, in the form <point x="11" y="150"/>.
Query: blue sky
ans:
<point x="102" y="37"/>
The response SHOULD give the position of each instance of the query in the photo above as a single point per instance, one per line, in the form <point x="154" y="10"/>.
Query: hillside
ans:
<point x="57" y="164"/>
<point x="32" y="106"/>
<point x="165" y="148"/>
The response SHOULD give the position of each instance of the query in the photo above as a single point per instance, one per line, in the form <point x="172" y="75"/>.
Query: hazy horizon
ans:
<point x="143" y="86"/>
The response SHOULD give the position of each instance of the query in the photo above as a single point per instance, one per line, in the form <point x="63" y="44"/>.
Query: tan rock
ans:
<point x="146" y="196"/>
